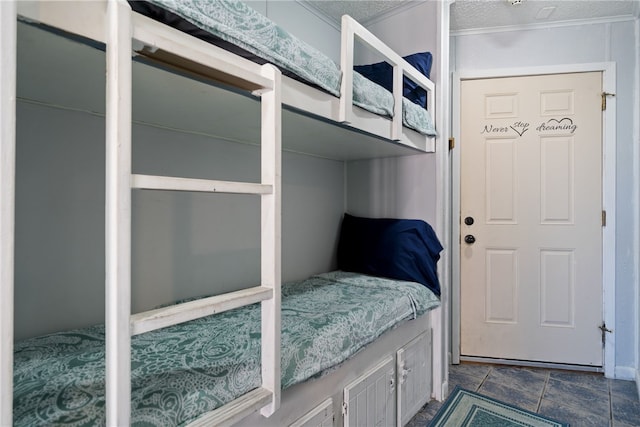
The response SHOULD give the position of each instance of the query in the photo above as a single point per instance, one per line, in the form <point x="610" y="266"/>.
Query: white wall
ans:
<point x="636" y="179"/>
<point x="589" y="43"/>
<point x="304" y="24"/>
<point x="184" y="244"/>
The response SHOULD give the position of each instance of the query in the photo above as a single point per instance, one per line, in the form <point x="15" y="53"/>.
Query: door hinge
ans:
<point x="604" y="218"/>
<point x="345" y="408"/>
<point x="603" y="331"/>
<point x="452" y="143"/>
<point x="604" y="99"/>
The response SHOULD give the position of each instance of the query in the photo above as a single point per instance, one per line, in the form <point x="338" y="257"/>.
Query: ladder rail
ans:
<point x="8" y="48"/>
<point x="271" y="170"/>
<point x="118" y="213"/>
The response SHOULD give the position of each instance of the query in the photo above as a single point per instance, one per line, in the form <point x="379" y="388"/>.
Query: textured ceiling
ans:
<point x="361" y="10"/>
<point x="480" y="14"/>
<point x="468" y="14"/>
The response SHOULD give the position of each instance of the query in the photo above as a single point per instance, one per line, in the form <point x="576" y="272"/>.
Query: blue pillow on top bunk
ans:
<point x="401" y="249"/>
<point x="382" y="74"/>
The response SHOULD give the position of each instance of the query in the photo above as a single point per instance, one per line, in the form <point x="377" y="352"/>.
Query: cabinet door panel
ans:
<point x="370" y="399"/>
<point x="414" y="377"/>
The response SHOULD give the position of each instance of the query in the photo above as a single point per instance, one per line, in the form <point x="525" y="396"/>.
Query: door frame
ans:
<point x="608" y="70"/>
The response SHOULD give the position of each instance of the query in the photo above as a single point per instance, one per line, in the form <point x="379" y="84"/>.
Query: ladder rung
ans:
<point x="180" y="313"/>
<point x="235" y="410"/>
<point x="153" y="182"/>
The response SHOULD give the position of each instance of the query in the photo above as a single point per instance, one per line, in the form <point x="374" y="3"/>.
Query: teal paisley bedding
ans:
<point x="181" y="372"/>
<point x="237" y="24"/>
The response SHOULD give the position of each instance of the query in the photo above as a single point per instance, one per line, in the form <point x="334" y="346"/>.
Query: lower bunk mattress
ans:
<point x="184" y="371"/>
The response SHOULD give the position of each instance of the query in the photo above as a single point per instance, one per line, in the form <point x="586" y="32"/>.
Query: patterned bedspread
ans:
<point x="180" y="372"/>
<point x="238" y="24"/>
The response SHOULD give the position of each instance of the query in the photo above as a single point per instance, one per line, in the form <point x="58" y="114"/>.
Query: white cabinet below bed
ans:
<point x="414" y="377"/>
<point x="392" y="391"/>
<point x="370" y="399"/>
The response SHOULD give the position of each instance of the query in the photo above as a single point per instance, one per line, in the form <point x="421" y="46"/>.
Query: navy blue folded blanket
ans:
<point x="401" y="249"/>
<point x="382" y="73"/>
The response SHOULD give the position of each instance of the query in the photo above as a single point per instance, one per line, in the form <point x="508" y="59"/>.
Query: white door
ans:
<point x="531" y="198"/>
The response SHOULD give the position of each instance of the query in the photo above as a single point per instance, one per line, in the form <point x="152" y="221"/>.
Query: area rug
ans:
<point x="464" y="408"/>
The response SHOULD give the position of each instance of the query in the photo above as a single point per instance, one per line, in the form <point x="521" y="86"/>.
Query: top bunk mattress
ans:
<point x="240" y="29"/>
<point x="183" y="371"/>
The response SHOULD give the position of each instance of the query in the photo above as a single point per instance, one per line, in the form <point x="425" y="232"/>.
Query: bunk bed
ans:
<point x="390" y="351"/>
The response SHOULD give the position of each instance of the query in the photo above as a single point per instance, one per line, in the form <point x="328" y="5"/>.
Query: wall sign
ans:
<point x="564" y="126"/>
<point x="518" y="127"/>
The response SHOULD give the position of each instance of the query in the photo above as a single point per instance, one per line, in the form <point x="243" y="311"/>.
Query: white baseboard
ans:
<point x="625" y="373"/>
<point x="445" y="390"/>
<point x="638" y="381"/>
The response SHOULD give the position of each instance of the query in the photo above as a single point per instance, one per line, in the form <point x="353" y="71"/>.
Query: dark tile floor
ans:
<point x="578" y="398"/>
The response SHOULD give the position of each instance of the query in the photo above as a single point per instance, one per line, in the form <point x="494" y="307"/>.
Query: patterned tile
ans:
<point x="465" y="381"/>
<point x="626" y="410"/>
<point x="513" y="396"/>
<point x="426" y="413"/>
<point x="574" y="417"/>
<point x="432" y="408"/>
<point x="624" y="389"/>
<point x="585" y="379"/>
<point x="421" y="419"/>
<point x="473" y="369"/>
<point x="467" y="375"/>
<point x="578" y="397"/>
<point x="525" y="379"/>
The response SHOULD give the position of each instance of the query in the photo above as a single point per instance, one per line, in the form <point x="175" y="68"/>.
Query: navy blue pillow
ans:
<point x="401" y="249"/>
<point x="382" y="73"/>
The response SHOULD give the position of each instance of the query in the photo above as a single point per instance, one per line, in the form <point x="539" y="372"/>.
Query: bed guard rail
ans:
<point x="352" y="30"/>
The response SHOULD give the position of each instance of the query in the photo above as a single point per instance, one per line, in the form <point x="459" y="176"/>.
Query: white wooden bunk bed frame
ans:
<point x="113" y="23"/>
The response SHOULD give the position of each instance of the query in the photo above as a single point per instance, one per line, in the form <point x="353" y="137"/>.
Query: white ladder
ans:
<point x="122" y="27"/>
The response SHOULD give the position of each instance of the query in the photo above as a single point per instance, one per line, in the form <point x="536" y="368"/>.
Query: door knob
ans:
<point x="470" y="239"/>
